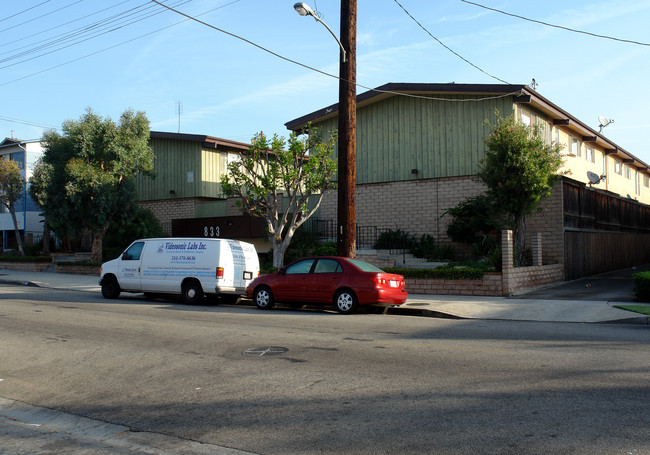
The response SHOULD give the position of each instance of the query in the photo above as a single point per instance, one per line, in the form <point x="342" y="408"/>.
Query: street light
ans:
<point x="346" y="234"/>
<point x="305" y="10"/>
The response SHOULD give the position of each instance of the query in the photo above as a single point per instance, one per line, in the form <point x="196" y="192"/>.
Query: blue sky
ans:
<point x="230" y="89"/>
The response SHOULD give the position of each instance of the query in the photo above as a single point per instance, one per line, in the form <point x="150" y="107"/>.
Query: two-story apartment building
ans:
<point x="28" y="215"/>
<point x="419" y="147"/>
<point x="185" y="193"/>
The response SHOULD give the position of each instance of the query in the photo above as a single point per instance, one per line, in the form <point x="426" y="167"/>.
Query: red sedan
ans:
<point x="347" y="283"/>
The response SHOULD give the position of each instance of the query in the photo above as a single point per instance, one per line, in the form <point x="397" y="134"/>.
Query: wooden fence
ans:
<point x="602" y="232"/>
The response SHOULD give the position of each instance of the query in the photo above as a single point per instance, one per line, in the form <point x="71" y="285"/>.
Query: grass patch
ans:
<point x="643" y="309"/>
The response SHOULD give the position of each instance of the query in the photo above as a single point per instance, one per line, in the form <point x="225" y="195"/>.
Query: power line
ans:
<point x="59" y="26"/>
<point x="42" y="15"/>
<point x="110" y="47"/>
<point x="24" y="11"/>
<point x="25" y="122"/>
<point x="275" y="54"/>
<point x="86" y="33"/>
<point x="556" y="26"/>
<point x="447" y="47"/>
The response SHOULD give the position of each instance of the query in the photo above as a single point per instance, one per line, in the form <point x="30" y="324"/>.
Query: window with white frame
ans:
<point x="575" y="147"/>
<point x="618" y="167"/>
<point x="646" y="180"/>
<point x="628" y="172"/>
<point x="525" y="118"/>
<point x="589" y="155"/>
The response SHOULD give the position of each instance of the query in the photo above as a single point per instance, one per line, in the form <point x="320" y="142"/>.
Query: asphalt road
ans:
<point x="289" y="382"/>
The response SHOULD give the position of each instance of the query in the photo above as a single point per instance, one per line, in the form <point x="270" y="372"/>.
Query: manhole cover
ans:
<point x="261" y="352"/>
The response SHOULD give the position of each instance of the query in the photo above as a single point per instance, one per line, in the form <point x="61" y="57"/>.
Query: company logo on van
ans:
<point x="198" y="246"/>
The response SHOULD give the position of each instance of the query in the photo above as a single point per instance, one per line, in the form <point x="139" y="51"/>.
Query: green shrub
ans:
<point x="444" y="273"/>
<point x="642" y="286"/>
<point x="12" y="258"/>
<point x="79" y="263"/>
<point x="393" y="240"/>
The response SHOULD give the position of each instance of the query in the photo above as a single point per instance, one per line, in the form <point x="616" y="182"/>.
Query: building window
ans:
<point x="646" y="180"/>
<point x="628" y="172"/>
<point x="617" y="167"/>
<point x="525" y="118"/>
<point x="575" y="147"/>
<point x="589" y="155"/>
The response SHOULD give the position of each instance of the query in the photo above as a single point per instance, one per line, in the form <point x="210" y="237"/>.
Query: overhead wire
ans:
<point x="60" y="25"/>
<point x="596" y="35"/>
<point x="86" y="33"/>
<point x="447" y="47"/>
<point x="311" y="68"/>
<point x="110" y="47"/>
<point x="41" y="16"/>
<point x="24" y="11"/>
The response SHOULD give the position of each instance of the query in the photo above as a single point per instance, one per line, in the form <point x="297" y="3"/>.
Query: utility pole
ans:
<point x="347" y="153"/>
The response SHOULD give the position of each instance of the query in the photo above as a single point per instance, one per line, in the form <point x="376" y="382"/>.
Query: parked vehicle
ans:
<point x="345" y="283"/>
<point x="191" y="267"/>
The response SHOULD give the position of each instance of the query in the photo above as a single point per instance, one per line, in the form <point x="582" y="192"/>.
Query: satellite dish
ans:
<point x="594" y="179"/>
<point x="604" y="122"/>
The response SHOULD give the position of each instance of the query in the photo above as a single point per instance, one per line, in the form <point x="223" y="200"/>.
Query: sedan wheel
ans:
<point x="346" y="302"/>
<point x="263" y="298"/>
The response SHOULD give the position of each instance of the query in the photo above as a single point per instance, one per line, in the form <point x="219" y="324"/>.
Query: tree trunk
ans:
<point x="278" y="253"/>
<point x="96" y="248"/>
<point x="46" y="238"/>
<point x="519" y="235"/>
<point x="19" y="240"/>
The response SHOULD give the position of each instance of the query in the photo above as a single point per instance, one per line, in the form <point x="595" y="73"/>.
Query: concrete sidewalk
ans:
<point x="462" y="307"/>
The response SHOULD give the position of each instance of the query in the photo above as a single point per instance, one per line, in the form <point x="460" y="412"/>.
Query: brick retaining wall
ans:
<point x="25" y="266"/>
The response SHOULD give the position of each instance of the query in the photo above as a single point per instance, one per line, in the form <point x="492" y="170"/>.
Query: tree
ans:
<point x="38" y="186"/>
<point x="473" y="220"/>
<point x="519" y="170"/>
<point x="266" y="176"/>
<point x="93" y="165"/>
<point x="12" y="187"/>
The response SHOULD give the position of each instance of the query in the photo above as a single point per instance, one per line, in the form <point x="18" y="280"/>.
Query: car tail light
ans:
<point x="219" y="272"/>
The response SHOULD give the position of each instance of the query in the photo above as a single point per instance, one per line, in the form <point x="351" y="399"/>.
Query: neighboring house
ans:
<point x="30" y="222"/>
<point x="185" y="193"/>
<point x="419" y="147"/>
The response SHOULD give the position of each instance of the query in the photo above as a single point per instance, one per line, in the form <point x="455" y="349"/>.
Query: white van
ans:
<point x="191" y="267"/>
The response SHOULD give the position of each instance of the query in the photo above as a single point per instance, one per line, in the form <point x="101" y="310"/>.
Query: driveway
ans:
<point x="617" y="286"/>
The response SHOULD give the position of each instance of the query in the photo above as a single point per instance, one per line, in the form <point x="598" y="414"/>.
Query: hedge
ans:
<point x="25" y="259"/>
<point x="642" y="286"/>
<point x="441" y="273"/>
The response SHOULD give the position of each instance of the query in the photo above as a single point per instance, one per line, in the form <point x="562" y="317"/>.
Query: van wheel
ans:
<point x="346" y="302"/>
<point x="192" y="292"/>
<point x="263" y="298"/>
<point x="110" y="288"/>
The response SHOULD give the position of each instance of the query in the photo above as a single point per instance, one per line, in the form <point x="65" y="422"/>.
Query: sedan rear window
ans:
<point x="365" y="266"/>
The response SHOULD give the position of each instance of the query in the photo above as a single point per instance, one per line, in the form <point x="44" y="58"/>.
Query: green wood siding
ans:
<point x="184" y="167"/>
<point x="438" y="138"/>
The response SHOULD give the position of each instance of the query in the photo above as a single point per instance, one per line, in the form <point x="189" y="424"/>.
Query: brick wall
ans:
<point x="417" y="207"/>
<point x="490" y="284"/>
<point x="169" y="209"/>
<point x="414" y="206"/>
<point x="549" y="221"/>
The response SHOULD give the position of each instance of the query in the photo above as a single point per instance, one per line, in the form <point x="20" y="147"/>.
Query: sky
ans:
<point x="60" y="57"/>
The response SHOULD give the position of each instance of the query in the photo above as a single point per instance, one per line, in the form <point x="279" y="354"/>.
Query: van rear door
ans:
<point x="245" y="263"/>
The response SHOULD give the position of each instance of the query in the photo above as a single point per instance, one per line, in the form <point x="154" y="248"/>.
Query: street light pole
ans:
<point x="346" y="230"/>
<point x="347" y="153"/>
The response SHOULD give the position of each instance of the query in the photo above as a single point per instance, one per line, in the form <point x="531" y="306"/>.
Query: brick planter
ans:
<point x="490" y="284"/>
<point x="25" y="266"/>
<point x="78" y="269"/>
